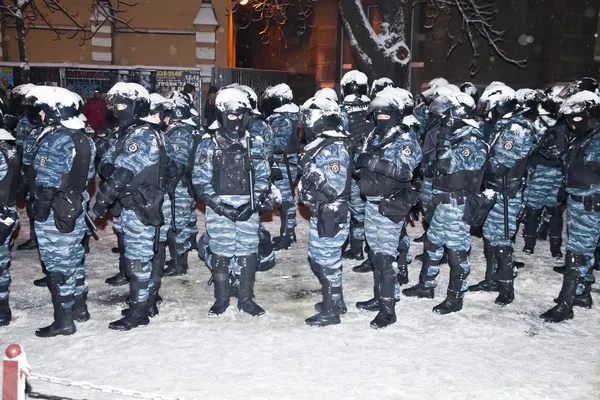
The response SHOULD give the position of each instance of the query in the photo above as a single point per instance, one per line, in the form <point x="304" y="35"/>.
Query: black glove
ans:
<point x="328" y="191"/>
<point x="221" y="209"/>
<point x="276" y="174"/>
<point x="500" y="170"/>
<point x="99" y="209"/>
<point x="562" y="194"/>
<point x="44" y="197"/>
<point x="363" y="160"/>
<point x="106" y="170"/>
<point x="111" y="189"/>
<point x="244" y="212"/>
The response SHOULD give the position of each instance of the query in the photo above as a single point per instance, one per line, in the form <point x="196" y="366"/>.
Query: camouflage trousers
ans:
<point x="383" y="236"/>
<point x="584" y="231"/>
<point x="357" y="202"/>
<point x="327" y="252"/>
<point x="426" y="194"/>
<point x="64" y="253"/>
<point x="288" y="203"/>
<point x="4" y="261"/>
<point x="228" y="238"/>
<point x="543" y="187"/>
<point x="139" y="245"/>
<point x="166" y="210"/>
<point x="185" y="218"/>
<point x="493" y="227"/>
<point x="448" y="229"/>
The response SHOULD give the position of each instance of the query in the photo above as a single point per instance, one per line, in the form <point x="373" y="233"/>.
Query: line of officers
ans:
<point x="365" y="167"/>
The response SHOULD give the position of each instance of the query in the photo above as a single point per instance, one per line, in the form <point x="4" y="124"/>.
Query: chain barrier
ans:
<point x="104" y="389"/>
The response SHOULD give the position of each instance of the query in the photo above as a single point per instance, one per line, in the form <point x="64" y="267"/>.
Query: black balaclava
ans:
<point x="579" y="128"/>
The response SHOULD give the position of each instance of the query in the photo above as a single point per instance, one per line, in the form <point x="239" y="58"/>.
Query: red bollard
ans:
<point x="14" y="373"/>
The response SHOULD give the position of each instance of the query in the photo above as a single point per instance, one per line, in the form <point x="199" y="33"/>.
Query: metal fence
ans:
<point x="303" y="85"/>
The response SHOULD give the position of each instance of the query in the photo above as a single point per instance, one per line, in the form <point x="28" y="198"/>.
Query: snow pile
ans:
<point x="580" y="102"/>
<point x="327" y="93"/>
<point x="232" y="100"/>
<point x="5" y="135"/>
<point x="354" y="76"/>
<point x="129" y="90"/>
<point x="282" y="90"/>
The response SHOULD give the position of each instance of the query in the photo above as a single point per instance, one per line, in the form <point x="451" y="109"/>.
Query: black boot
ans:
<point x="86" y="243"/>
<point x="363" y="267"/>
<point x="194" y="242"/>
<point x="178" y="266"/>
<point x="561" y="270"/>
<point x="529" y="247"/>
<point x="329" y="314"/>
<point x="137" y="315"/>
<point x="585" y="299"/>
<point x="338" y="302"/>
<point x="5" y="314"/>
<point x="421" y="238"/>
<point x="42" y="282"/>
<point x="284" y="241"/>
<point x="120" y="278"/>
<point x="555" y="245"/>
<point x="597" y="259"/>
<point x="373" y="303"/>
<point x="387" y="285"/>
<point x="80" y="310"/>
<point x="63" y="316"/>
<point x="454" y="295"/>
<point x="542" y="232"/>
<point x="158" y="265"/>
<point x="564" y="309"/>
<point x="356" y="250"/>
<point x="248" y="265"/>
<point x="490" y="283"/>
<point x="423" y="290"/>
<point x="504" y="257"/>
<point x="531" y="224"/>
<point x="31" y="244"/>
<point x="220" y="272"/>
<point x="402" y="262"/>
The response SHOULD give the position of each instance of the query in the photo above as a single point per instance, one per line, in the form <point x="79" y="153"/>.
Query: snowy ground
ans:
<point x="483" y="352"/>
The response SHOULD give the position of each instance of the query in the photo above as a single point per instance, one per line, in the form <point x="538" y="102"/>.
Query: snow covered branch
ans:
<point x="382" y="53"/>
<point x="273" y="15"/>
<point x="476" y="20"/>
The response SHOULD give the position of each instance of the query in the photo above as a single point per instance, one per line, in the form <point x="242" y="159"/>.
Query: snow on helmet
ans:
<point x="494" y="83"/>
<point x="470" y="89"/>
<point x="319" y="114"/>
<point x="5" y="135"/>
<point x="587" y="84"/>
<point x="454" y="106"/>
<point x="580" y="102"/>
<point x="249" y="92"/>
<point x="129" y="102"/>
<point x="159" y="103"/>
<point x="433" y="87"/>
<point x="22" y="90"/>
<point x="354" y="82"/>
<point x="388" y="104"/>
<point x="275" y="97"/>
<point x="328" y="93"/>
<point x="233" y="110"/>
<point x="499" y="99"/>
<point x="380" y="84"/>
<point x="182" y="106"/>
<point x="60" y="106"/>
<point x="437" y="82"/>
<point x="552" y="101"/>
<point x="403" y="96"/>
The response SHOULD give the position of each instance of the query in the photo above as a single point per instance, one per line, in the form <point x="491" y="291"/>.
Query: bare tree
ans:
<point x="273" y="15"/>
<point x="27" y="14"/>
<point x="386" y="53"/>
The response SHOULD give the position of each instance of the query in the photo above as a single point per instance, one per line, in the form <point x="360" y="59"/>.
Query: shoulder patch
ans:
<point x="176" y="147"/>
<point x="28" y="148"/>
<point x="407" y="150"/>
<point x="467" y="152"/>
<point x="335" y="166"/>
<point x="43" y="159"/>
<point x="508" y="145"/>
<point x="133" y="147"/>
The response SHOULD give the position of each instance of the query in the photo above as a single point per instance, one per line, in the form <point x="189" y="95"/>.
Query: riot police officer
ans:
<point x="135" y="188"/>
<point x="325" y="188"/>
<point x="233" y="182"/>
<point x="386" y="163"/>
<point x="582" y="114"/>
<point x="9" y="179"/>
<point x="62" y="168"/>
<point x="354" y="120"/>
<point x="282" y="116"/>
<point x="459" y="161"/>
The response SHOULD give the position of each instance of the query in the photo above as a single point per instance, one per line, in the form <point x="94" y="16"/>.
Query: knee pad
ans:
<point x="317" y="269"/>
<point x="248" y="263"/>
<point x="132" y="266"/>
<point x="136" y="285"/>
<point x="457" y="257"/>
<point x="219" y="264"/>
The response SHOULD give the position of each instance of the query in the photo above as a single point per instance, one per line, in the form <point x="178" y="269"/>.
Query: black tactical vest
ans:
<point x="553" y="146"/>
<point x="579" y="176"/>
<point x="9" y="184"/>
<point x="232" y="167"/>
<point x="152" y="175"/>
<point x="374" y="184"/>
<point x="358" y="124"/>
